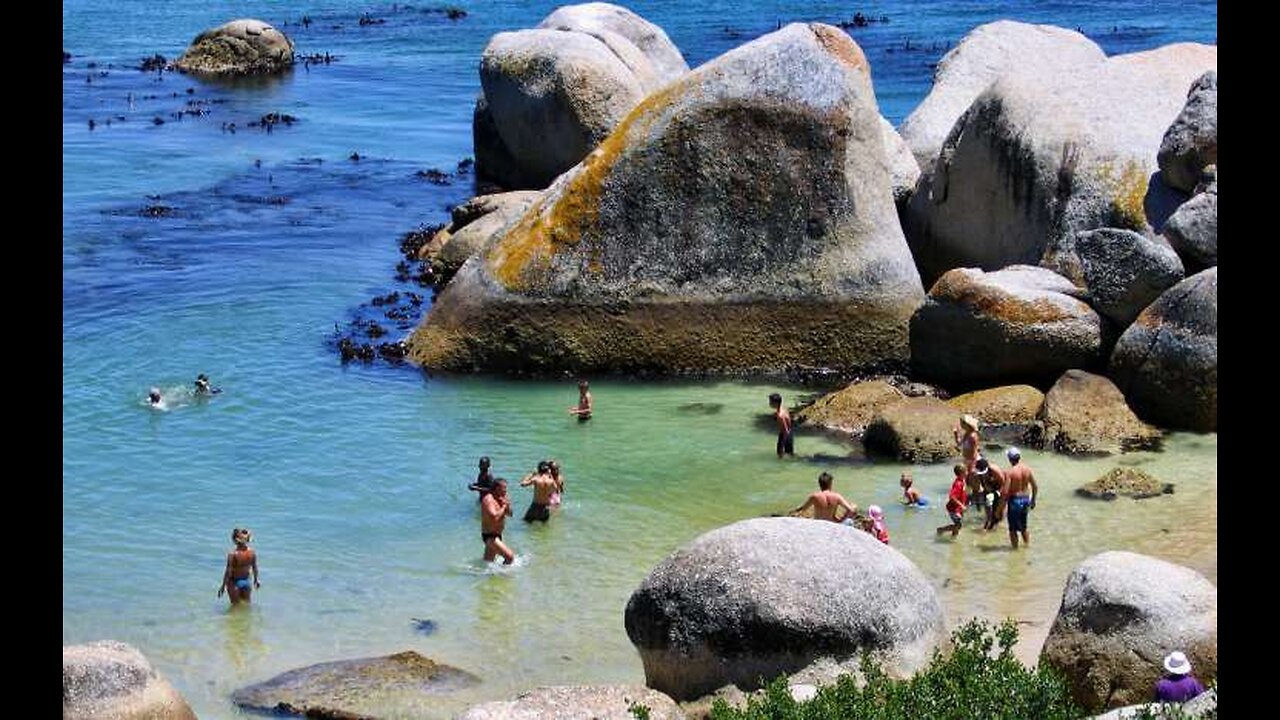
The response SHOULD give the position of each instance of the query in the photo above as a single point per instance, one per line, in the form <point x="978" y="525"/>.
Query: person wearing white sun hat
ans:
<point x="1179" y="685"/>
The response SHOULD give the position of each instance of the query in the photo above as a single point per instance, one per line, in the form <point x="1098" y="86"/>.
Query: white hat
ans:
<point x="1012" y="453"/>
<point x="1177" y="663"/>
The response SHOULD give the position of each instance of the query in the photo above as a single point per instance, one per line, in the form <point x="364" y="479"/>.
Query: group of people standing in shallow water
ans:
<point x="1000" y="493"/>
<point x="495" y="504"/>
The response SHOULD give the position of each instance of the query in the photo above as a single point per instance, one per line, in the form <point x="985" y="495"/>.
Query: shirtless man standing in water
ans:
<point x="495" y="508"/>
<point x="1016" y="480"/>
<point x="240" y="562"/>
<point x="543" y="486"/>
<point x="583" y="410"/>
<point x="825" y="502"/>
<point x="780" y="415"/>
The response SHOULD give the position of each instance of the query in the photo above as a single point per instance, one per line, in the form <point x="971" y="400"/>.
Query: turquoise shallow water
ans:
<point x="352" y="477"/>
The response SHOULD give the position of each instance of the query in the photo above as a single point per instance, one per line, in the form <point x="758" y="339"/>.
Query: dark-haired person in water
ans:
<point x="484" y="479"/>
<point x="826" y="501"/>
<point x="786" y="443"/>
<point x="583" y="409"/>
<point x="543" y="485"/>
<point x="495" y="508"/>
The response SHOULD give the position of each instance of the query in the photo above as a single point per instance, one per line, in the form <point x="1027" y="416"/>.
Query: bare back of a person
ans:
<point x="1019" y="478"/>
<point x="543" y="486"/>
<point x="969" y="448"/>
<point x="241" y="562"/>
<point x="825" y="504"/>
<point x="783" y="419"/>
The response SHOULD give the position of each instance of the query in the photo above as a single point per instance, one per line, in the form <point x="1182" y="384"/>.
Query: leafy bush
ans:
<point x="970" y="682"/>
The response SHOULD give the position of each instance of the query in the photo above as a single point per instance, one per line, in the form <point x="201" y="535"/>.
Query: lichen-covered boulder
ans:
<point x="1192" y="230"/>
<point x="240" y="47"/>
<point x="1121" y="271"/>
<point x="579" y="702"/>
<point x="605" y="19"/>
<point x="1038" y="157"/>
<point x="474" y="222"/>
<point x="1121" y="614"/>
<point x="1020" y="324"/>
<point x="1084" y="413"/>
<point x="763" y="597"/>
<point x="354" y="688"/>
<point x="904" y="171"/>
<point x="915" y="430"/>
<point x="980" y="57"/>
<point x="111" y="680"/>
<point x="1004" y="405"/>
<point x="1191" y="142"/>
<point x="851" y="408"/>
<point x="1124" y="482"/>
<point x="739" y="218"/>
<point x="1166" y="363"/>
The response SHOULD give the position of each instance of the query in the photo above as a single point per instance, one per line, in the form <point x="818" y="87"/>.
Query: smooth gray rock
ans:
<point x="1193" y="230"/>
<point x="1084" y="413"/>
<point x="1022" y="324"/>
<point x="913" y="430"/>
<point x="1121" y="614"/>
<point x="748" y="199"/>
<point x="552" y="96"/>
<point x="1036" y="158"/>
<point x="597" y="18"/>
<point x="354" y="688"/>
<point x="762" y="597"/>
<point x="1166" y="363"/>
<point x="904" y="171"/>
<point x="980" y="57"/>
<point x="240" y="47"/>
<point x="578" y="702"/>
<point x="1191" y="142"/>
<point x="1121" y="270"/>
<point x="111" y="680"/>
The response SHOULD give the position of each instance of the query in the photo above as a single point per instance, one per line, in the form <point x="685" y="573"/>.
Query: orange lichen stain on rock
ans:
<point x="840" y="46"/>
<point x="1128" y="191"/>
<point x="957" y="287"/>
<point x="544" y="232"/>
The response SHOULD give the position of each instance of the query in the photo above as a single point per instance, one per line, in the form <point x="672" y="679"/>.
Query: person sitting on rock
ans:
<point x="956" y="501"/>
<point x="910" y="495"/>
<point x="825" y="501"/>
<point x="1179" y="685"/>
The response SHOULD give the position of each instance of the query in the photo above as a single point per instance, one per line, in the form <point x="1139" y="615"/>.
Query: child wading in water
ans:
<point x="242" y="560"/>
<point x="956" y="501"/>
<point x="910" y="495"/>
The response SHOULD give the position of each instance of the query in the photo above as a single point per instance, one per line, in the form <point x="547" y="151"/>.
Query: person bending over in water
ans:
<point x="825" y="502"/>
<point x="910" y="495"/>
<point x="992" y="481"/>
<point x="495" y="508"/>
<point x="786" y="443"/>
<point x="543" y="485"/>
<point x="1014" y="489"/>
<point x="554" y="468"/>
<point x="583" y="409"/>
<point x="240" y="562"/>
<point x="956" y="501"/>
<point x="484" y="479"/>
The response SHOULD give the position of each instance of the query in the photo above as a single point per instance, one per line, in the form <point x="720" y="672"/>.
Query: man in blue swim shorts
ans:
<point x="1016" y="480"/>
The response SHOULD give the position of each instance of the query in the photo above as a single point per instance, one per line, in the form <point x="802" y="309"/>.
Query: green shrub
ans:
<point x="971" y="682"/>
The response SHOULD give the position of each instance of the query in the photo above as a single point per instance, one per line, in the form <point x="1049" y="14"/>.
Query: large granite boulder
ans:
<point x="1166" y="363"/>
<point x="1085" y="413"/>
<point x="240" y="47"/>
<point x="354" y="688"/>
<point x="1004" y="405"/>
<point x="604" y="20"/>
<point x="110" y="680"/>
<point x="739" y="218"/>
<point x="1191" y="142"/>
<point x="579" y="702"/>
<point x="763" y="597"/>
<point x="474" y="222"/>
<point x="981" y="56"/>
<point x="1037" y="157"/>
<point x="1019" y="324"/>
<point x="551" y="94"/>
<point x="1192" y="230"/>
<point x="1124" y="482"/>
<point x="1121" y="270"/>
<point x="851" y="408"/>
<point x="904" y="171"/>
<point x="1121" y="614"/>
<point x="915" y="430"/>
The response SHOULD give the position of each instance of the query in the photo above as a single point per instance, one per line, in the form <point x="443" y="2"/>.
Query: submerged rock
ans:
<point x="240" y="47"/>
<point x="747" y="200"/>
<point x="1191" y="142"/>
<point x="1019" y="324"/>
<point x="111" y="679"/>
<point x="579" y="702"/>
<point x="915" y="430"/>
<point x="1085" y="413"/>
<point x="850" y="409"/>
<point x="354" y="687"/>
<point x="761" y="597"/>
<point x="1126" y="482"/>
<point x="1121" y="614"/>
<point x="1166" y="363"/>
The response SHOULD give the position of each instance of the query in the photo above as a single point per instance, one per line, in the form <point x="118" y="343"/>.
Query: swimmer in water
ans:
<point x="495" y="508"/>
<point x="202" y="386"/>
<point x="910" y="495"/>
<point x="240" y="562"/>
<point x="153" y="395"/>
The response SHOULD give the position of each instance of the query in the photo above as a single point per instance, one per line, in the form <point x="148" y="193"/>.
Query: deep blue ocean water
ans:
<point x="351" y="476"/>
